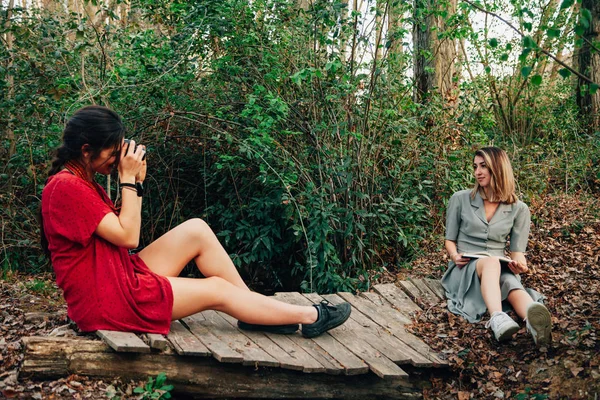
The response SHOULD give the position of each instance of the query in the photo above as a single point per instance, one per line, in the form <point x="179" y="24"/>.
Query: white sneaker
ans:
<point x="539" y="324"/>
<point x="502" y="325"/>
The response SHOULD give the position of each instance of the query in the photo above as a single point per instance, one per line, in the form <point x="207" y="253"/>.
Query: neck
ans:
<point x="77" y="168"/>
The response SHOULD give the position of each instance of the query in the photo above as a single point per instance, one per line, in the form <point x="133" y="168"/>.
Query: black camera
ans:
<point x="127" y="141"/>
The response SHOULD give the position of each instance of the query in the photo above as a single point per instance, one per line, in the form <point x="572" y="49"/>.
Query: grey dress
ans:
<point x="467" y="225"/>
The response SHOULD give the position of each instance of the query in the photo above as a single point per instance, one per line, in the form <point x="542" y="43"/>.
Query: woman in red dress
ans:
<point x="107" y="288"/>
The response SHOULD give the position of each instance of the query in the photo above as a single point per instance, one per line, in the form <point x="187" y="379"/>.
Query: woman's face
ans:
<point x="481" y="172"/>
<point x="106" y="161"/>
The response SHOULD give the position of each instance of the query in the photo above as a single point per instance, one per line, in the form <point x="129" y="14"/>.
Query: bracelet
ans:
<point x="130" y="188"/>
<point x="138" y="187"/>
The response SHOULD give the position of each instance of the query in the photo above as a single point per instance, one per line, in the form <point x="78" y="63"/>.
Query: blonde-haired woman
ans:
<point x="480" y="222"/>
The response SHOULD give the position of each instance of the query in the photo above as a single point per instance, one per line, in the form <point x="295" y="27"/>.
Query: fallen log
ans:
<point x="200" y="377"/>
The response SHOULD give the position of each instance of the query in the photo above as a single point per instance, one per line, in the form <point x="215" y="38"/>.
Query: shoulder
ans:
<point x="462" y="195"/>
<point x="521" y="207"/>
<point x="64" y="182"/>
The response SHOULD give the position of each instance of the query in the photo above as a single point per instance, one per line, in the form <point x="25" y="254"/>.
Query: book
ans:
<point x="481" y="255"/>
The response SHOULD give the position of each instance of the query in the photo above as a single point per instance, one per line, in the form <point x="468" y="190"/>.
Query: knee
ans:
<point x="197" y="228"/>
<point x="218" y="290"/>
<point x="488" y="266"/>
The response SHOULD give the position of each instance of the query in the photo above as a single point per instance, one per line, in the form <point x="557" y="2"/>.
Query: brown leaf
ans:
<point x="464" y="395"/>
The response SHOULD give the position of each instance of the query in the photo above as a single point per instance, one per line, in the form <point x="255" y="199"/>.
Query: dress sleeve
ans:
<point x="519" y="234"/>
<point x="453" y="217"/>
<point x="75" y="210"/>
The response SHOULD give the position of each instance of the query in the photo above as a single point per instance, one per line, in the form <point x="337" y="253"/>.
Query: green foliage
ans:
<point x="155" y="389"/>
<point x="315" y="170"/>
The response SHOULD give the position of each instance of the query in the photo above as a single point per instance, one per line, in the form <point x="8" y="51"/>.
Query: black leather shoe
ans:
<point x="329" y="317"/>
<point x="280" y="329"/>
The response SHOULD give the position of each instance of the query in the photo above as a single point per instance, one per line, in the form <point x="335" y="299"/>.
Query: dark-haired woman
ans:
<point x="481" y="221"/>
<point x="107" y="288"/>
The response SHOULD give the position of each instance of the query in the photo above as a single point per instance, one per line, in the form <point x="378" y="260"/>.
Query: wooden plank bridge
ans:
<point x="206" y="354"/>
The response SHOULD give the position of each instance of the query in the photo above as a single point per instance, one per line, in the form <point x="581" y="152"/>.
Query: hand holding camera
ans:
<point x="132" y="166"/>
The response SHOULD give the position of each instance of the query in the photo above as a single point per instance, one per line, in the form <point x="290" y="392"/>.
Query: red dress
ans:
<point x="104" y="286"/>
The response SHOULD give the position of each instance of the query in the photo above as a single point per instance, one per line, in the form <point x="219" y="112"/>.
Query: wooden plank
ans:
<point x="397" y="297"/>
<point x="400" y="341"/>
<point x="410" y="289"/>
<point x="286" y="360"/>
<point x="219" y="350"/>
<point x="204" y="377"/>
<point x="352" y="364"/>
<point x="436" y="286"/>
<point x="123" y="341"/>
<point x="156" y="341"/>
<point x="387" y="318"/>
<point x="331" y="365"/>
<point x="253" y="355"/>
<point x="185" y="343"/>
<point x="426" y="294"/>
<point x="379" y="337"/>
<point x="380" y="301"/>
<point x="361" y="343"/>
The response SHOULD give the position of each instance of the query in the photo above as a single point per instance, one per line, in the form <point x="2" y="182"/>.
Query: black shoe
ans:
<point x="281" y="329"/>
<point x="329" y="317"/>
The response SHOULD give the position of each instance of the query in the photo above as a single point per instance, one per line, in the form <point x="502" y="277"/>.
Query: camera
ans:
<point x="126" y="142"/>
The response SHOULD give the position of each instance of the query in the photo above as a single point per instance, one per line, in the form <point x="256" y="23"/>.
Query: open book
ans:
<point x="481" y="255"/>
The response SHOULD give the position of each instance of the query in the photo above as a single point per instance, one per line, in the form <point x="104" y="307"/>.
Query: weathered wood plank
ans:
<point x="123" y="341"/>
<point x="353" y="365"/>
<point x="367" y="309"/>
<point x="387" y="318"/>
<point x="426" y="294"/>
<point x="397" y="297"/>
<point x="436" y="286"/>
<point x="185" y="343"/>
<point x="219" y="350"/>
<point x="410" y="289"/>
<point x="204" y="377"/>
<point x="360" y="344"/>
<point x="380" y="338"/>
<point x="331" y="365"/>
<point x="285" y="359"/>
<point x="253" y="355"/>
<point x="156" y="341"/>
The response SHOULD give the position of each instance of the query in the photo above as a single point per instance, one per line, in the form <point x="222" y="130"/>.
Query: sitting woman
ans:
<point x="107" y="288"/>
<point x="481" y="221"/>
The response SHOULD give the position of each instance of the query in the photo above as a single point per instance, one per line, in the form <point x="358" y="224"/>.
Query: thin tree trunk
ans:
<point x="589" y="65"/>
<point x="10" y="83"/>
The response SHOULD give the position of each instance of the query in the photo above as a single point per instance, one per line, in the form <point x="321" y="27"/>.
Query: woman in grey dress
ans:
<point x="480" y="222"/>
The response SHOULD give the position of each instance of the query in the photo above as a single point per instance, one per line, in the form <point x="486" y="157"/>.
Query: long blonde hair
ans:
<point x="502" y="180"/>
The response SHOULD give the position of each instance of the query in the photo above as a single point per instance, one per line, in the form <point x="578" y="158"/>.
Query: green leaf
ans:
<point x="536" y="80"/>
<point x="553" y="32"/>
<point x="508" y="47"/>
<point x="488" y="70"/>
<point x="528" y="26"/>
<point x="525" y="71"/>
<point x="504" y="57"/>
<point x="586" y="15"/>
<point x="580" y="29"/>
<point x="594" y="88"/>
<point x="493" y="42"/>
<point x="524" y="54"/>
<point x="566" y="4"/>
<point x="565" y="73"/>
<point x="528" y="42"/>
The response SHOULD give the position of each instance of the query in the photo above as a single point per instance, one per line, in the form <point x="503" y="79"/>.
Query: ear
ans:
<point x="86" y="150"/>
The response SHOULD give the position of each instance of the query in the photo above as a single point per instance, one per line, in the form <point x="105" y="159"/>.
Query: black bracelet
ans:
<point x="138" y="187"/>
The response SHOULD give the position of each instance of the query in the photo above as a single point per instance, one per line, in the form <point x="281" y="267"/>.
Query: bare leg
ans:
<point x="194" y="295"/>
<point x="488" y="270"/>
<point x="192" y="240"/>
<point x="520" y="300"/>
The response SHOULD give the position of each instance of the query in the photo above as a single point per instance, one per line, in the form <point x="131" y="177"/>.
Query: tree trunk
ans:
<point x="434" y="63"/>
<point x="589" y="65"/>
<point x="10" y="83"/>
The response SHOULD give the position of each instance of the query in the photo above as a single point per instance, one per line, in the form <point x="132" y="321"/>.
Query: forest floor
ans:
<point x="564" y="257"/>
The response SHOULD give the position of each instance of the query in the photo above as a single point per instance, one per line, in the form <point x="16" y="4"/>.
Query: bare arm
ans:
<point x="454" y="255"/>
<point x="124" y="230"/>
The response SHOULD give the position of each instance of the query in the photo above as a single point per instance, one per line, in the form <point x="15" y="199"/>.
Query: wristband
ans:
<point x="138" y="187"/>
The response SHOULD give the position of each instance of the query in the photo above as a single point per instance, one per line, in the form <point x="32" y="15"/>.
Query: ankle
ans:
<point x="312" y="315"/>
